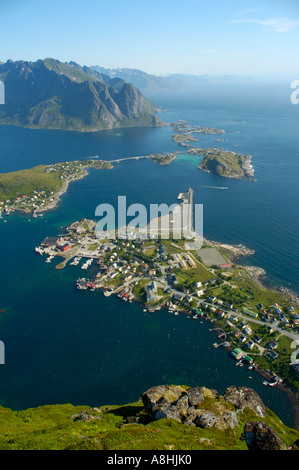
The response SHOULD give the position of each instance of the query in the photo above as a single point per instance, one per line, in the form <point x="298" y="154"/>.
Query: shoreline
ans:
<point x="257" y="274"/>
<point x="56" y="197"/>
<point x="292" y="396"/>
<point x="21" y="126"/>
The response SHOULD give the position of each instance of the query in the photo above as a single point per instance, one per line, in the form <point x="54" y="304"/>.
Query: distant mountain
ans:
<point x="150" y="84"/>
<point x="50" y="94"/>
<point x="146" y="83"/>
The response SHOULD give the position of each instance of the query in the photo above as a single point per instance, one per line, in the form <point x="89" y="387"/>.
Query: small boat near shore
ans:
<point x="276" y="380"/>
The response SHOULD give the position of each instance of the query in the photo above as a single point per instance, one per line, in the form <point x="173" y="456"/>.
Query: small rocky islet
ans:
<point x="224" y="163"/>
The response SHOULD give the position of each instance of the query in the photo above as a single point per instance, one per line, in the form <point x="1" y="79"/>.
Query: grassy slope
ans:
<point x="54" y="427"/>
<point x="225" y="163"/>
<point x="19" y="183"/>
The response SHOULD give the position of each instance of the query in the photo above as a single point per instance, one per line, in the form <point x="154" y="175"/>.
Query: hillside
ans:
<point x="167" y="417"/>
<point x="224" y="163"/>
<point x="39" y="188"/>
<point x="50" y="94"/>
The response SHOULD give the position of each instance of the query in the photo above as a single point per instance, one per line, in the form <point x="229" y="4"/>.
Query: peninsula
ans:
<point x="36" y="190"/>
<point x="259" y="326"/>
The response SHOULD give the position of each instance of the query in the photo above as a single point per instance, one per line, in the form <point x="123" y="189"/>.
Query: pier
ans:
<point x="187" y="200"/>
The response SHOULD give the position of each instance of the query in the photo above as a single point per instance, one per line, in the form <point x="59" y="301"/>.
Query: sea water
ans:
<point x="64" y="345"/>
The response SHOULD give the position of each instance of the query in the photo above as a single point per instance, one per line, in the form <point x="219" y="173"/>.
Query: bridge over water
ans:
<point x="128" y="158"/>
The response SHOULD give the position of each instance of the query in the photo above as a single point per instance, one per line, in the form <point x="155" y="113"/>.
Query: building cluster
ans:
<point x="125" y="268"/>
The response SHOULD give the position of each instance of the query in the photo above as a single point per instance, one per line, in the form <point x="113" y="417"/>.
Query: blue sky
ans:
<point x="243" y="37"/>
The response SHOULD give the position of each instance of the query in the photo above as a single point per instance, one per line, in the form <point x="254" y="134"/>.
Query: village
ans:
<point x="37" y="190"/>
<point x="202" y="284"/>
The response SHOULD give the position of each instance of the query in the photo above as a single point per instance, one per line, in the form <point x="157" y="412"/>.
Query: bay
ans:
<point x="63" y="345"/>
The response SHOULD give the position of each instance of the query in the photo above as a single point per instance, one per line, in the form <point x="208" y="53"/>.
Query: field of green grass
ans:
<point x="24" y="182"/>
<point x="59" y="427"/>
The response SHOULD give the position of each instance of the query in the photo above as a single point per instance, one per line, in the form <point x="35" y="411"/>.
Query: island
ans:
<point x="257" y="324"/>
<point x="183" y="139"/>
<point x="185" y="127"/>
<point x="224" y="163"/>
<point x="164" y="158"/>
<point x="184" y="130"/>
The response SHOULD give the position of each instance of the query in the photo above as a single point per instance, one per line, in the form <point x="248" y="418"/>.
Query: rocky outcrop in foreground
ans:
<point x="205" y="408"/>
<point x="260" y="436"/>
<point x="166" y="418"/>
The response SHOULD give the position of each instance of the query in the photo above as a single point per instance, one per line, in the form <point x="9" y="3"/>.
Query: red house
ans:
<point x="63" y="246"/>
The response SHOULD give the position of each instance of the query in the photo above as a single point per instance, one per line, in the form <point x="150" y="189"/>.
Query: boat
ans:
<point x="81" y="287"/>
<point x="82" y="284"/>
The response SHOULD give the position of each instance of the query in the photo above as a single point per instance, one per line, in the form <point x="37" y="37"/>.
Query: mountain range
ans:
<point x="150" y="84"/>
<point x="50" y="94"/>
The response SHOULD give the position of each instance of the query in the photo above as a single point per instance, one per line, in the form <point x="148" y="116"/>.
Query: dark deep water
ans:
<point x="63" y="345"/>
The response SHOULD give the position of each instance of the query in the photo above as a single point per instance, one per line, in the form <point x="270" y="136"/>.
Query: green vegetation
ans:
<point x="161" y="273"/>
<point x="32" y="189"/>
<point x="163" y="158"/>
<point x="57" y="95"/>
<point x="25" y="182"/>
<point x="68" y="427"/>
<point x="188" y="278"/>
<point x="224" y="162"/>
<point x="182" y="138"/>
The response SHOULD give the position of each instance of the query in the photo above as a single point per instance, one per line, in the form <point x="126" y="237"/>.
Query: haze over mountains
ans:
<point x="50" y="94"/>
<point x="150" y="84"/>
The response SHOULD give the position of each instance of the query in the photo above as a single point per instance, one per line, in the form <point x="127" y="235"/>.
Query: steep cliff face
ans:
<point x="51" y="94"/>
